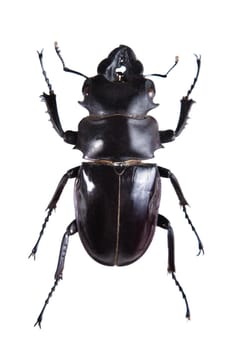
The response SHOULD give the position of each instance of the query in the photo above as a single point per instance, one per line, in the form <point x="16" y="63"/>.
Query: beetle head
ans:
<point x="121" y="64"/>
<point x="119" y="87"/>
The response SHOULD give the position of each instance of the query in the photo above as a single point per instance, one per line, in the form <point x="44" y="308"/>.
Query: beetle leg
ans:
<point x="72" y="173"/>
<point x="186" y="104"/>
<point x="51" y="103"/>
<point x="168" y="174"/>
<point x="165" y="224"/>
<point x="71" y="229"/>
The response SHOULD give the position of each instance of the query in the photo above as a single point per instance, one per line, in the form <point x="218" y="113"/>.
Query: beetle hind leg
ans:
<point x="70" y="230"/>
<point x="165" y="224"/>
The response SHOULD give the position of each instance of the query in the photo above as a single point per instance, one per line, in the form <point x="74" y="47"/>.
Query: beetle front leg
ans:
<point x="168" y="174"/>
<point x="71" y="229"/>
<point x="165" y="224"/>
<point x="72" y="173"/>
<point x="170" y="135"/>
<point x="51" y="103"/>
<point x="186" y="104"/>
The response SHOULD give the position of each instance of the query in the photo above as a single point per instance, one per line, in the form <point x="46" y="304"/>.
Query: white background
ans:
<point x="97" y="307"/>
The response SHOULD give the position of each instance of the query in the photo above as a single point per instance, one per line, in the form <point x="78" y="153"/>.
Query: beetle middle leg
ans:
<point x="165" y="224"/>
<point x="70" y="230"/>
<point x="168" y="174"/>
<point x="72" y="173"/>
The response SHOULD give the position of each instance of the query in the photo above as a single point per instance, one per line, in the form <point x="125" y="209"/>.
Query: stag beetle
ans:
<point x="116" y="192"/>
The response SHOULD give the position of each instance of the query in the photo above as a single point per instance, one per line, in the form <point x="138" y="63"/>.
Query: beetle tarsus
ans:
<point x="40" y="317"/>
<point x="34" y="250"/>
<point x="198" y="60"/>
<point x="70" y="230"/>
<point x="40" y="55"/>
<point x="183" y="295"/>
<point x="200" y="245"/>
<point x="186" y="103"/>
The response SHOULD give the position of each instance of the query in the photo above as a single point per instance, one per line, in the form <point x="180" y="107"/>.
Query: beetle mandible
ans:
<point x="116" y="192"/>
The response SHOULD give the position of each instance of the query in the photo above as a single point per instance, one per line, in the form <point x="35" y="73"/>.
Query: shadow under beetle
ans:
<point x="116" y="194"/>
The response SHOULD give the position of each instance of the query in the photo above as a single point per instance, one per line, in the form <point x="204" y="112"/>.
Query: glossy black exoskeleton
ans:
<point x="116" y="194"/>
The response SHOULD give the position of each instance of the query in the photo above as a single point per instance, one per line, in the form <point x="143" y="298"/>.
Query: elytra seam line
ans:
<point x="118" y="220"/>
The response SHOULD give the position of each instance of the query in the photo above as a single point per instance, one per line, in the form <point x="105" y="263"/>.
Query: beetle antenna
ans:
<point x="58" y="51"/>
<point x="198" y="59"/>
<point x="166" y="74"/>
<point x="40" y="54"/>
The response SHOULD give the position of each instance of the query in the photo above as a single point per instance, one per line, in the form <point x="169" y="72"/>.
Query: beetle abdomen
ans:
<point x="117" y="210"/>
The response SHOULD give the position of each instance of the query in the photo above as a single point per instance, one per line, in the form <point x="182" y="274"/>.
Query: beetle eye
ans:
<point x="151" y="93"/>
<point x="86" y="90"/>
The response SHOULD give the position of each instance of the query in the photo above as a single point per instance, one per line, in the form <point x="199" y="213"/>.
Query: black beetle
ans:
<point x="117" y="193"/>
